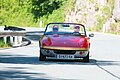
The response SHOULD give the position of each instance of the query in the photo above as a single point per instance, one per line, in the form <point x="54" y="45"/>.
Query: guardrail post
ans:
<point x="19" y="39"/>
<point x="16" y="41"/>
<point x="5" y="39"/>
<point x="11" y="40"/>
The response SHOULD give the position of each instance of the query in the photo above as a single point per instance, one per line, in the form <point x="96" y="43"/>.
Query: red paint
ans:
<point x="65" y="41"/>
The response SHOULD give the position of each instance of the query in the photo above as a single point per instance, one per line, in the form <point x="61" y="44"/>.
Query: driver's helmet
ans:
<point x="55" y="28"/>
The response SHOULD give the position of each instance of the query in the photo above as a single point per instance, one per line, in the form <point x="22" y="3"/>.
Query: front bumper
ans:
<point x="52" y="53"/>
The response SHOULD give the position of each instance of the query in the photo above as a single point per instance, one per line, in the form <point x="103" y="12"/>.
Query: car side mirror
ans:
<point x="91" y="35"/>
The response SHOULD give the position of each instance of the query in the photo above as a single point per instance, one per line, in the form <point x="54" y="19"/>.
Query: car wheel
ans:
<point x="42" y="57"/>
<point x="86" y="59"/>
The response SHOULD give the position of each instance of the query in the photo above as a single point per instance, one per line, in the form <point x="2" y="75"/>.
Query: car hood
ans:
<point x="65" y="41"/>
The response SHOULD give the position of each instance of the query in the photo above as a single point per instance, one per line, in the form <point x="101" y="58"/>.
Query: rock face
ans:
<point x="116" y="10"/>
<point x="84" y="12"/>
<point x="87" y="12"/>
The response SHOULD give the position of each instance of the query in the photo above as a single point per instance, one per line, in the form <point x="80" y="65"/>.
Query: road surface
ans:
<point x="22" y="63"/>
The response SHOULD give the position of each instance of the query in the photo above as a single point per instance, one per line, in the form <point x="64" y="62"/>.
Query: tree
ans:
<point x="44" y="7"/>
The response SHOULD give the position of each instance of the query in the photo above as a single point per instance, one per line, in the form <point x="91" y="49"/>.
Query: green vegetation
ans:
<point x="115" y="28"/>
<point x="13" y="12"/>
<point x="2" y="45"/>
<point x="28" y="13"/>
<point x="100" y="22"/>
<point x="57" y="15"/>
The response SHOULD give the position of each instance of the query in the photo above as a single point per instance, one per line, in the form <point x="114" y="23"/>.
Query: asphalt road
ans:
<point x="22" y="63"/>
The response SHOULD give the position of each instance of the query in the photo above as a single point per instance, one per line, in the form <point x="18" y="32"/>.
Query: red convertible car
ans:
<point x="64" y="41"/>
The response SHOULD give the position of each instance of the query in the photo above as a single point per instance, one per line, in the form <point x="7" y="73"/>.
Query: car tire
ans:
<point x="42" y="57"/>
<point x="86" y="59"/>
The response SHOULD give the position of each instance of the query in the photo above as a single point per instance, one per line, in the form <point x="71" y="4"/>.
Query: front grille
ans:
<point x="64" y="51"/>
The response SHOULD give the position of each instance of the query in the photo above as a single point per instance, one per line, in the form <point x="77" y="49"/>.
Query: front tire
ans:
<point x="86" y="59"/>
<point x="42" y="57"/>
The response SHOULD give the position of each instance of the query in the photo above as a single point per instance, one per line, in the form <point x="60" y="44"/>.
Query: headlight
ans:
<point x="83" y="52"/>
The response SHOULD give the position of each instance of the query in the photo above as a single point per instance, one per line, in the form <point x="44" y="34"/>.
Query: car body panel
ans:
<point x="65" y="42"/>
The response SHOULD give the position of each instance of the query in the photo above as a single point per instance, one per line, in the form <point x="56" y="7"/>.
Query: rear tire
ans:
<point x="86" y="59"/>
<point x="42" y="57"/>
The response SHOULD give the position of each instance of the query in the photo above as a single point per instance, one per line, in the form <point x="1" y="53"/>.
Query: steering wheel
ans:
<point x="76" y="33"/>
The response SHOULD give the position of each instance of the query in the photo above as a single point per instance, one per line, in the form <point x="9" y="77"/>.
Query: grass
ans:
<point x="3" y="45"/>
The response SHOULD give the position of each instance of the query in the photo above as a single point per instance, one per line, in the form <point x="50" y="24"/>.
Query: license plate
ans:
<point x="64" y="56"/>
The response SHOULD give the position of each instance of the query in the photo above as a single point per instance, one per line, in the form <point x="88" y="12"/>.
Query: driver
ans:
<point x="55" y="29"/>
<point x="76" y="29"/>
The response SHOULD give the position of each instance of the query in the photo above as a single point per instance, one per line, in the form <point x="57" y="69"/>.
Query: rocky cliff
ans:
<point x="97" y="15"/>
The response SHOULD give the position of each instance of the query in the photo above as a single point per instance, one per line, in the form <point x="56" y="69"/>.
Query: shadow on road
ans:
<point x="34" y="35"/>
<point x="19" y="75"/>
<point x="21" y="59"/>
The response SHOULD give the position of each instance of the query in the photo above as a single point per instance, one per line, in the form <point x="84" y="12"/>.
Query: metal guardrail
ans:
<point x="17" y="35"/>
<point x="14" y="33"/>
<point x="11" y="33"/>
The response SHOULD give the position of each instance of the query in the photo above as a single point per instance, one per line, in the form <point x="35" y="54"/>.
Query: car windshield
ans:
<point x="65" y="29"/>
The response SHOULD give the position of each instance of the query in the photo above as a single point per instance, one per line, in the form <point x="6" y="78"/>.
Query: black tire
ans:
<point x="86" y="59"/>
<point x="42" y="57"/>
